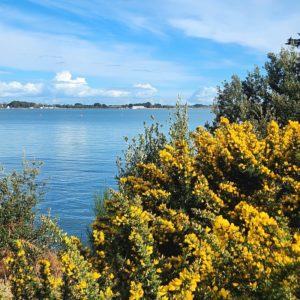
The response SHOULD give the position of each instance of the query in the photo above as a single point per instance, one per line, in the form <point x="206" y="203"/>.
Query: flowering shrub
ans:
<point x="67" y="275"/>
<point x="217" y="216"/>
<point x="214" y="216"/>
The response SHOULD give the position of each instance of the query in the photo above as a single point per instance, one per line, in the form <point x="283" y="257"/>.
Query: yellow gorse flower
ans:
<point x="136" y="291"/>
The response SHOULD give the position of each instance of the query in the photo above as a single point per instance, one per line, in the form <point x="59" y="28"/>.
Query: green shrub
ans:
<point x="264" y="95"/>
<point x="20" y="192"/>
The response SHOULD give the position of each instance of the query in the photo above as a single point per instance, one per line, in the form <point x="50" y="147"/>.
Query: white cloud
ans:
<point x="50" y="53"/>
<point x="63" y="85"/>
<point x="66" y="76"/>
<point x="263" y="25"/>
<point x="204" y="95"/>
<point x="260" y="24"/>
<point x="144" y="90"/>
<point x="118" y="10"/>
<point x="146" y="86"/>
<point x="17" y="89"/>
<point x="78" y="87"/>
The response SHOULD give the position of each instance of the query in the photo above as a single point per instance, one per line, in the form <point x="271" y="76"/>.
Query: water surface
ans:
<point x="79" y="150"/>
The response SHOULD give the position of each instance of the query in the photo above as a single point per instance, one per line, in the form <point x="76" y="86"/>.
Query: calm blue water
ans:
<point x="79" y="150"/>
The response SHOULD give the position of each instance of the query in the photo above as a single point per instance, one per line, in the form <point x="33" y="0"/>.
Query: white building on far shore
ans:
<point x="138" y="107"/>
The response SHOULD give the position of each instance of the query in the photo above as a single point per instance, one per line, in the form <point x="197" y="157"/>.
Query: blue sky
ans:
<point x="122" y="51"/>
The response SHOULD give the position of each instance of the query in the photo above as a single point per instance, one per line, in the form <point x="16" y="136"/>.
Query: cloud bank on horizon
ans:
<point x="124" y="51"/>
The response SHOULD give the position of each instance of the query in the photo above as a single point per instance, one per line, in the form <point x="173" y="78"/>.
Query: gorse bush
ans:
<point x="66" y="274"/>
<point x="197" y="216"/>
<point x="217" y="216"/>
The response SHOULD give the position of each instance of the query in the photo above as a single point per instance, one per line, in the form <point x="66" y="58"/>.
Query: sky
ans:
<point x="128" y="51"/>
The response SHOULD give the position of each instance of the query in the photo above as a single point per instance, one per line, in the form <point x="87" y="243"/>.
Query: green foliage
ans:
<point x="22" y="104"/>
<point x="179" y="129"/>
<point x="264" y="95"/>
<point x="20" y="192"/>
<point x="99" y="200"/>
<point x="144" y="148"/>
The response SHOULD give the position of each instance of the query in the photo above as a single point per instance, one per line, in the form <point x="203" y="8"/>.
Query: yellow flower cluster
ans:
<point x="98" y="237"/>
<point x="182" y="287"/>
<point x="136" y="291"/>
<point x="22" y="276"/>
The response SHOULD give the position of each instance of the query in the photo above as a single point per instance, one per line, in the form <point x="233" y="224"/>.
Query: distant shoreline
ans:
<point x="133" y="106"/>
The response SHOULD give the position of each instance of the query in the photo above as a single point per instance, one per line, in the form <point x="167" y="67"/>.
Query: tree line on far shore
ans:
<point x="97" y="105"/>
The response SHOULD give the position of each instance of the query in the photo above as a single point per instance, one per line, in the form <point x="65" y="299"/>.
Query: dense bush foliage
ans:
<point x="213" y="216"/>
<point x="19" y="194"/>
<point x="272" y="93"/>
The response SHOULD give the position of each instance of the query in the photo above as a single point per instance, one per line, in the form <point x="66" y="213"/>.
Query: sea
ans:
<point x="78" y="148"/>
